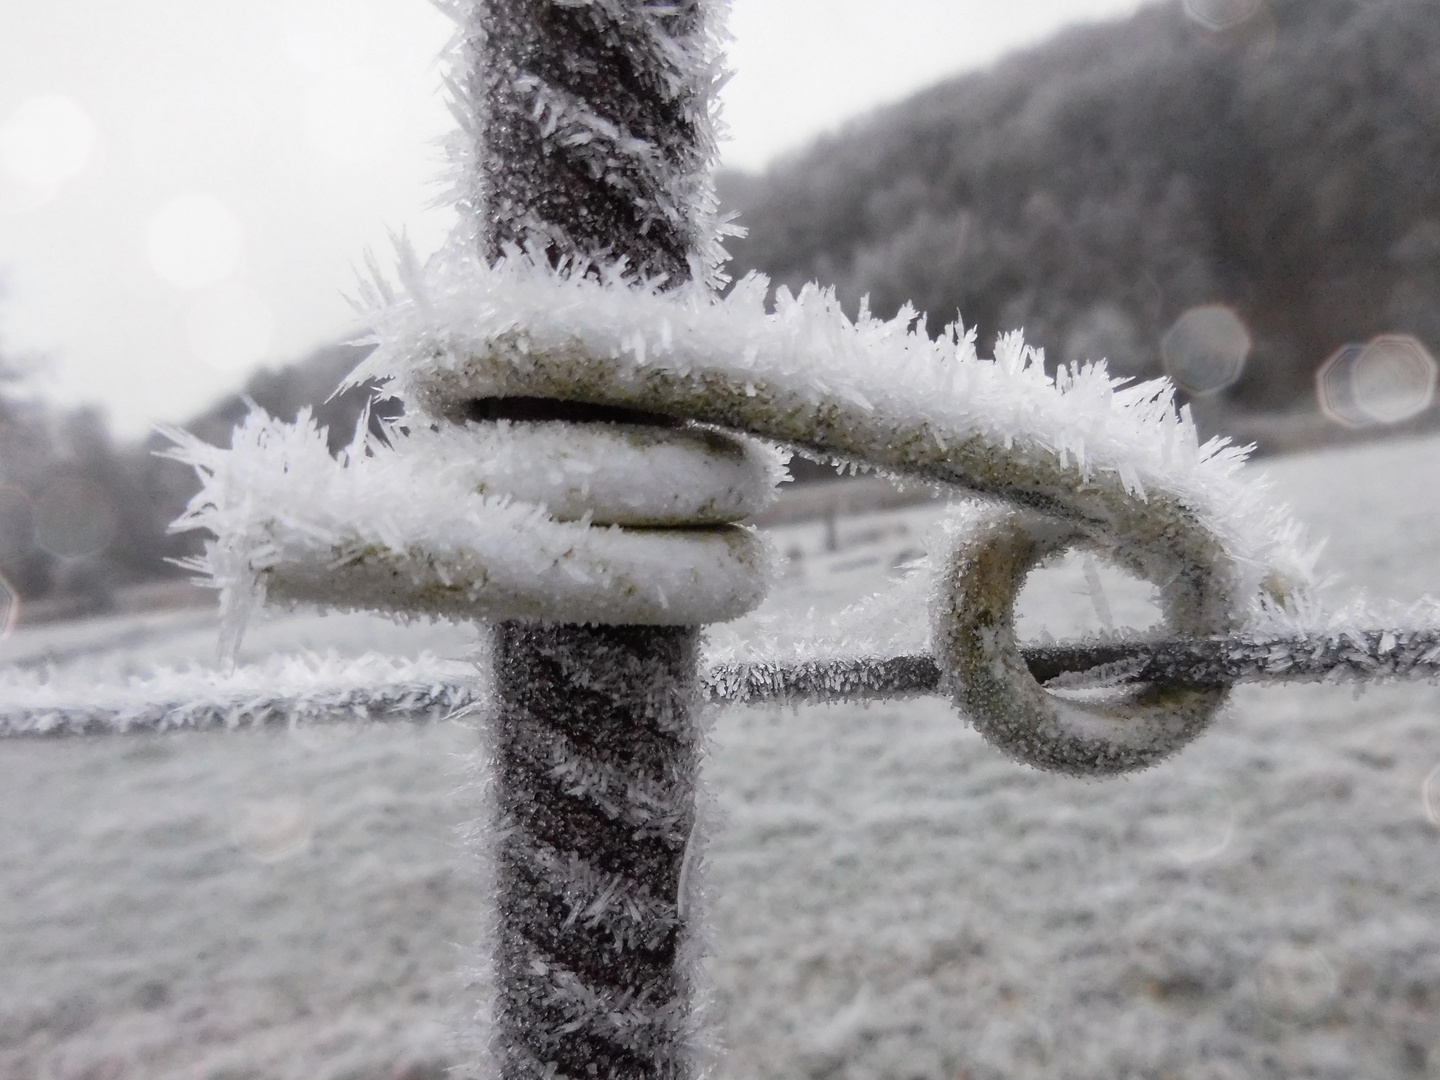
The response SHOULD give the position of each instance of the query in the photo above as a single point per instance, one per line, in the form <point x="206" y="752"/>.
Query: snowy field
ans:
<point x="891" y="898"/>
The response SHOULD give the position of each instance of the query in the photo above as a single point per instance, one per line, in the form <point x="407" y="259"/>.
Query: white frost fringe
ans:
<point x="277" y="496"/>
<point x="807" y="349"/>
<point x="417" y="528"/>
<point x="411" y="531"/>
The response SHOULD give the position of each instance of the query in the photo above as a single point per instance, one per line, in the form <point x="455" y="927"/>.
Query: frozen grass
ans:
<point x="892" y="898"/>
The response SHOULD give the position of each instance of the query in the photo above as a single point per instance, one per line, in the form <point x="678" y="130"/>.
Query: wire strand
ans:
<point x="1081" y="666"/>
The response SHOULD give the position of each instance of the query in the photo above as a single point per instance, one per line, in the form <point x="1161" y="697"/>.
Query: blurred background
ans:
<point x="1242" y="194"/>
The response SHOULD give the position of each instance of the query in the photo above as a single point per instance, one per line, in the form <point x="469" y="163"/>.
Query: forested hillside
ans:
<point x="1094" y="189"/>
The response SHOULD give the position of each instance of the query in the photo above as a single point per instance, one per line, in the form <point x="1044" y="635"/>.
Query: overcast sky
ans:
<point x="186" y="185"/>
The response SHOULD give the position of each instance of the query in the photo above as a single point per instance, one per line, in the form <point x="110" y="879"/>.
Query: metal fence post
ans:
<point x="596" y="737"/>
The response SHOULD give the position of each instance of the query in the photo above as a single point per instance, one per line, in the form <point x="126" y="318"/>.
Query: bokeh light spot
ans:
<point x="1194" y="834"/>
<point x="272" y="830"/>
<point x="1294" y="983"/>
<point x="1430" y="796"/>
<point x="194" y="242"/>
<point x="46" y="141"/>
<point x="323" y="35"/>
<point x="1221" y="15"/>
<point x="1388" y="380"/>
<point x="352" y="116"/>
<point x="9" y="608"/>
<point x="1334" y="391"/>
<point x="230" y="328"/>
<point x="74" y="517"/>
<point x="1205" y="349"/>
<point x="1394" y="378"/>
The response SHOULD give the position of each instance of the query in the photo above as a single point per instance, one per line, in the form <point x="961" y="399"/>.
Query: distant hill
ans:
<point x="1093" y="189"/>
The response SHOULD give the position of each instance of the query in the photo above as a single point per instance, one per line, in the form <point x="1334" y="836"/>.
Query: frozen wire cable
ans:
<point x="1097" y="665"/>
<point x="284" y="691"/>
<point x="432" y="690"/>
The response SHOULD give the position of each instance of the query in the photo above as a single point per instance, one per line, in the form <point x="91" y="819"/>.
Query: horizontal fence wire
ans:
<point x="1367" y="655"/>
<point x="417" y="703"/>
<point x="1351" y="656"/>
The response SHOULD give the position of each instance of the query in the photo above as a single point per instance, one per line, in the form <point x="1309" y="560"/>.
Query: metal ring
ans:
<point x="983" y="670"/>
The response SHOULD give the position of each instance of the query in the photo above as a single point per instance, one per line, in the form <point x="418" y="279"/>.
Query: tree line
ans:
<point x="1095" y="188"/>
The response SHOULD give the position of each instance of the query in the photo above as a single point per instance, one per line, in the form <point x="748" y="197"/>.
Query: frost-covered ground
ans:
<point x="891" y="897"/>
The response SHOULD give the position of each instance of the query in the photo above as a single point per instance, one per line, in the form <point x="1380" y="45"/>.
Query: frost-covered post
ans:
<point x="593" y="145"/>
